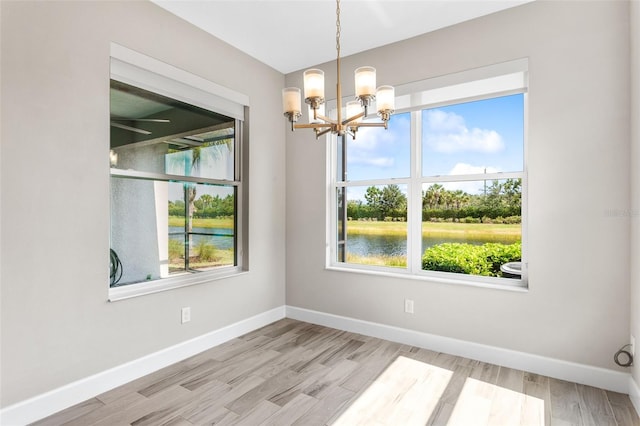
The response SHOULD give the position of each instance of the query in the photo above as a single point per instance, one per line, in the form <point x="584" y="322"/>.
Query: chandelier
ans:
<point x="366" y="92"/>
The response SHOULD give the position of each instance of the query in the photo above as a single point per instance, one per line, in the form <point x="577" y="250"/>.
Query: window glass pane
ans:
<point x="153" y="133"/>
<point x="209" y="232"/>
<point x="377" y="225"/>
<point x="160" y="228"/>
<point x="472" y="227"/>
<point x="477" y="137"/>
<point x="340" y="169"/>
<point x="378" y="153"/>
<point x="213" y="158"/>
<point x="341" y="222"/>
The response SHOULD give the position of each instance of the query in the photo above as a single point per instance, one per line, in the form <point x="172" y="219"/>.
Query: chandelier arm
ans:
<point x="326" y="119"/>
<point x="322" y="133"/>
<point x="314" y="126"/>
<point x="350" y="119"/>
<point x="384" y="124"/>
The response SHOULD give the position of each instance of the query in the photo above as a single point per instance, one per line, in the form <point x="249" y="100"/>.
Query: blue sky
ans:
<point x="458" y="139"/>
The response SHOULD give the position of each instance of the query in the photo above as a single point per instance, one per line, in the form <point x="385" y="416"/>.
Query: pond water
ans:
<point x="364" y="245"/>
<point x="223" y="238"/>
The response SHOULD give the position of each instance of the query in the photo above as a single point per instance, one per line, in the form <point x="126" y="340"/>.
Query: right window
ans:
<point x="442" y="192"/>
<point x="473" y="167"/>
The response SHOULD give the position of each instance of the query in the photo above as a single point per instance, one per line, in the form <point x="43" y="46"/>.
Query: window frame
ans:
<point x="149" y="74"/>
<point x="471" y="85"/>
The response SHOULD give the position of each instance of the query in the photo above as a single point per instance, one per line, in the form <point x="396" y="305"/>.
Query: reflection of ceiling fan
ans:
<point x="135" y="129"/>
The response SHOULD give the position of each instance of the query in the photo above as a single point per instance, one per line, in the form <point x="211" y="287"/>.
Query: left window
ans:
<point x="176" y="190"/>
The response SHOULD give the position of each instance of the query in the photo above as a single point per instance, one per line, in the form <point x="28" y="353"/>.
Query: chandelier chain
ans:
<point x="338" y="27"/>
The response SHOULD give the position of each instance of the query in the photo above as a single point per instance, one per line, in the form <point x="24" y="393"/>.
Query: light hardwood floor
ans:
<point x="295" y="373"/>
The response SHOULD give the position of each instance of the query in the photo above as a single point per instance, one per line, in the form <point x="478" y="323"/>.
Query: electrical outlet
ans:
<point x="632" y="342"/>
<point x="186" y="315"/>
<point x="408" y="306"/>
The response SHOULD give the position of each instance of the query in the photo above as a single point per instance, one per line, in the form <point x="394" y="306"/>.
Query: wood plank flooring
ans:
<point x="295" y="373"/>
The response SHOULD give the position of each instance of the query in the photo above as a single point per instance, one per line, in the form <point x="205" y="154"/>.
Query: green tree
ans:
<point x="432" y="197"/>
<point x="373" y="197"/>
<point x="354" y="209"/>
<point x="392" y="201"/>
<point x="207" y="201"/>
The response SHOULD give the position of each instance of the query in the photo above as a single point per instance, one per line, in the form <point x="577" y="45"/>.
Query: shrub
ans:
<point x="206" y="251"/>
<point x="470" y="219"/>
<point x="176" y="249"/>
<point x="513" y="219"/>
<point x="470" y="259"/>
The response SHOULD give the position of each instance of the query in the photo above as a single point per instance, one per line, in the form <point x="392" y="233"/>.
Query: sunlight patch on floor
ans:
<point x="484" y="404"/>
<point x="404" y="394"/>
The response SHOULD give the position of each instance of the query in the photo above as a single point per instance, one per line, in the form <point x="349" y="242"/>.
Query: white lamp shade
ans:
<point x="386" y="98"/>
<point x="354" y="108"/>
<point x="314" y="83"/>
<point x="291" y="101"/>
<point x="365" y="81"/>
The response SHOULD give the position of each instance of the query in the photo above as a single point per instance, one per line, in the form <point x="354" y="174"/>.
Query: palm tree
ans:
<point x="460" y="198"/>
<point x="433" y="195"/>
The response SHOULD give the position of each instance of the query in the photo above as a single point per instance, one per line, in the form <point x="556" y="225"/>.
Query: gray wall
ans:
<point x="635" y="179"/>
<point x="577" y="306"/>
<point x="57" y="326"/>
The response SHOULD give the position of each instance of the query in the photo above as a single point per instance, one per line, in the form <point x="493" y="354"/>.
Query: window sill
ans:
<point x="519" y="286"/>
<point x="141" y="289"/>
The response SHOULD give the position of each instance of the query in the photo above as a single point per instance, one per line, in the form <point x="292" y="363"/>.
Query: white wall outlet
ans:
<point x="186" y="314"/>
<point x="632" y="348"/>
<point x="408" y="306"/>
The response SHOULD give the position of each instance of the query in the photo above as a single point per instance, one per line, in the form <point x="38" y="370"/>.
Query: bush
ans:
<point x="470" y="219"/>
<point x="206" y="251"/>
<point x="470" y="259"/>
<point x="176" y="249"/>
<point x="513" y="219"/>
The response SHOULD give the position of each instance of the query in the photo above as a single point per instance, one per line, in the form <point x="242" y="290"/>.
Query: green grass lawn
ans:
<point x="478" y="231"/>
<point x="226" y="222"/>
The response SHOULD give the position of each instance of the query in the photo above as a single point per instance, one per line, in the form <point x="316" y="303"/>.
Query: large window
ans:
<point x="440" y="194"/>
<point x="176" y="189"/>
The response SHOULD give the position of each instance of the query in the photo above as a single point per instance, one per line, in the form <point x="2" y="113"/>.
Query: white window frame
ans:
<point x="136" y="69"/>
<point x="471" y="85"/>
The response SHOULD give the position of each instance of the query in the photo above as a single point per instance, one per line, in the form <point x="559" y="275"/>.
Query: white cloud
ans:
<point x="373" y="147"/>
<point x="447" y="132"/>
<point x="470" y="187"/>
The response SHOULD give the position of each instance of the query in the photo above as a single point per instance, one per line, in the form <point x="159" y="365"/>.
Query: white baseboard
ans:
<point x="559" y="369"/>
<point x="66" y="396"/>
<point x="634" y="394"/>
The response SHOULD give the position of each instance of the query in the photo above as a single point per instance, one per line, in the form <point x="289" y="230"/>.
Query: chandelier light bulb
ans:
<point x="385" y="98"/>
<point x="313" y="84"/>
<point x="365" y="81"/>
<point x="291" y="102"/>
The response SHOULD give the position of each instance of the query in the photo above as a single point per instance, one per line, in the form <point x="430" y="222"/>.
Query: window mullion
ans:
<point x="414" y="203"/>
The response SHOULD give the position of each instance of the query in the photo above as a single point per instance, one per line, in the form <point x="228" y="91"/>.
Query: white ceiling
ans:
<point x="290" y="35"/>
